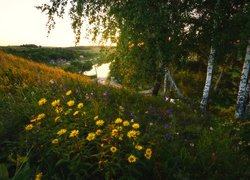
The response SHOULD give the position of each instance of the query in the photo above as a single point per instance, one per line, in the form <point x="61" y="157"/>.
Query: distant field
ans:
<point x="73" y="59"/>
<point x="45" y="54"/>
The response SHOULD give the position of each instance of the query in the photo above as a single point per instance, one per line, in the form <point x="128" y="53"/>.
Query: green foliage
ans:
<point x="185" y="144"/>
<point x="78" y="67"/>
<point x="53" y="56"/>
<point x="44" y="55"/>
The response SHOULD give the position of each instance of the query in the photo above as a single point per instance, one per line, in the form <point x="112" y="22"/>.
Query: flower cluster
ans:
<point x="71" y="127"/>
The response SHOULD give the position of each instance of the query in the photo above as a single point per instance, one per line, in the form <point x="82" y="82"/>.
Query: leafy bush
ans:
<point x="77" y="66"/>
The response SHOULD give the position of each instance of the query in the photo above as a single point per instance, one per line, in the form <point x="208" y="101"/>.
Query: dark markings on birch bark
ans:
<point x="210" y="65"/>
<point x="243" y="85"/>
<point x="165" y="84"/>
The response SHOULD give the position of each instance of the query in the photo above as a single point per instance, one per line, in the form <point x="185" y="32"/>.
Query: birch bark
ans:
<point x="243" y="85"/>
<point x="165" y="84"/>
<point x="208" y="83"/>
<point x="210" y="65"/>
<point x="170" y="78"/>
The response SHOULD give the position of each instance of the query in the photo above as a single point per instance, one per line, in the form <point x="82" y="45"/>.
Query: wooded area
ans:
<point x="152" y="36"/>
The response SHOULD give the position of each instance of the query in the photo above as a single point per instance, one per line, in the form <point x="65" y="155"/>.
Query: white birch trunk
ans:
<point x="165" y="84"/>
<point x="208" y="83"/>
<point x="210" y="65"/>
<point x="173" y="85"/>
<point x="243" y="85"/>
<point x="168" y="77"/>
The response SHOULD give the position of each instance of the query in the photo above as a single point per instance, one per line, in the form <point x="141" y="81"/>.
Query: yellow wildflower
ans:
<point x="132" y="159"/>
<point x="91" y="136"/>
<point x="99" y="122"/>
<point x="71" y="103"/>
<point x="56" y="103"/>
<point x="98" y="132"/>
<point x="68" y="112"/>
<point x="148" y="156"/>
<point x="57" y="119"/>
<point x="140" y="44"/>
<point x="68" y="92"/>
<point x="113" y="149"/>
<point x="76" y="113"/>
<point x="130" y="45"/>
<point x="96" y="117"/>
<point x="119" y="128"/>
<point x="126" y="123"/>
<point x="33" y="120"/>
<point x="55" y="141"/>
<point x="132" y="134"/>
<point x="61" y="132"/>
<point x="100" y="163"/>
<point x="29" y="127"/>
<point x="74" y="133"/>
<point x="39" y="176"/>
<point x="118" y="120"/>
<point x="80" y="106"/>
<point x="136" y="126"/>
<point x="148" y="151"/>
<point x="114" y="132"/>
<point x="40" y="116"/>
<point x="42" y="101"/>
<point x="138" y="147"/>
<point x="121" y="137"/>
<point x="59" y="110"/>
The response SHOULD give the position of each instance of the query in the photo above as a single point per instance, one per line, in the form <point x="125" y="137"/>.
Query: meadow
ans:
<point x="60" y="125"/>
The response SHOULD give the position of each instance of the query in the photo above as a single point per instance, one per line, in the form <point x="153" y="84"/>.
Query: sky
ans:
<point x="21" y="23"/>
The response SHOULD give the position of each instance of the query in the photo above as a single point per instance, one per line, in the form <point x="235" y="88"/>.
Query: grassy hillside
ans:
<point x="23" y="82"/>
<point x="59" y="125"/>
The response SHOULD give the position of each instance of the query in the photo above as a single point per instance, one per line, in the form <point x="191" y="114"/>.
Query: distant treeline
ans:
<point x="46" y="54"/>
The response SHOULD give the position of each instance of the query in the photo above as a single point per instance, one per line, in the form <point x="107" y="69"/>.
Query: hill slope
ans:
<point x="20" y="72"/>
<point x="23" y="83"/>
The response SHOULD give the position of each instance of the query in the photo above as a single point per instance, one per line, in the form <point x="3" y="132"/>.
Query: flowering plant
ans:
<point x="67" y="131"/>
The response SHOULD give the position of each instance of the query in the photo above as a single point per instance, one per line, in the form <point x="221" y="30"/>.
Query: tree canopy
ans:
<point x="150" y="34"/>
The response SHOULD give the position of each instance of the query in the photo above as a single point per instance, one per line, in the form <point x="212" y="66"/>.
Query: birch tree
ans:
<point x="208" y="83"/>
<point x="241" y="98"/>
<point x="210" y="65"/>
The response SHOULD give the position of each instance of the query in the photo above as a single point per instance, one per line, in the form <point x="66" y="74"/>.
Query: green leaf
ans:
<point x="235" y="75"/>
<point x="3" y="172"/>
<point x="61" y="162"/>
<point x="25" y="173"/>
